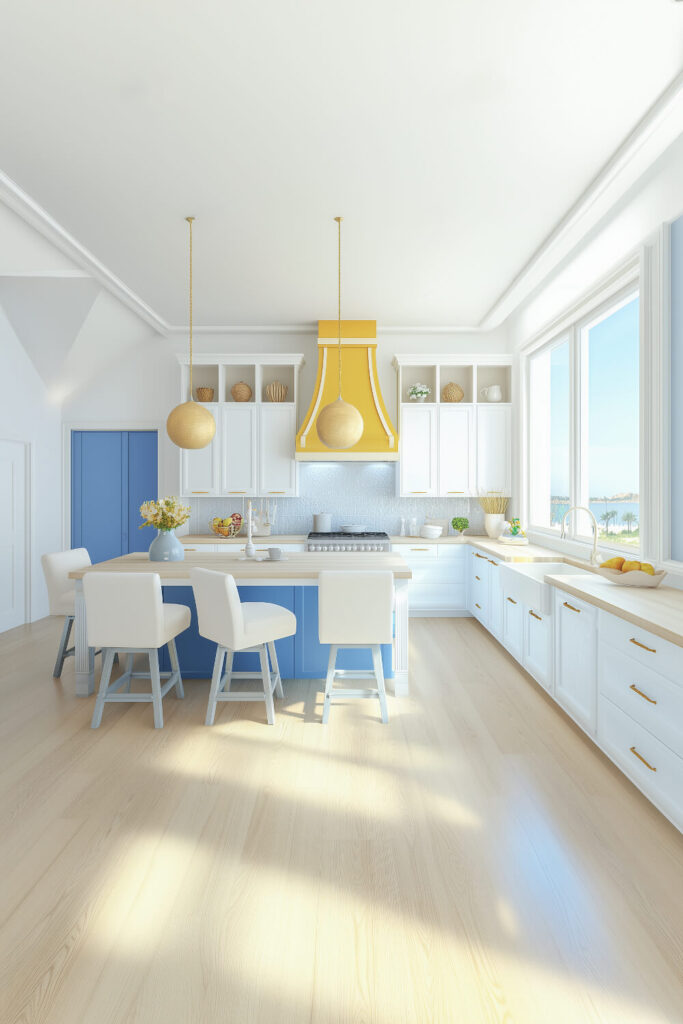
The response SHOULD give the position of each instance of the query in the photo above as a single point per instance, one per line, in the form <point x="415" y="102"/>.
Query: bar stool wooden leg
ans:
<point x="215" y="685"/>
<point x="279" y="692"/>
<point x="329" y="682"/>
<point x="267" y="684"/>
<point x="63" y="644"/>
<point x="379" y="676"/>
<point x="156" y="688"/>
<point x="107" y="662"/>
<point x="227" y="675"/>
<point x="175" y="667"/>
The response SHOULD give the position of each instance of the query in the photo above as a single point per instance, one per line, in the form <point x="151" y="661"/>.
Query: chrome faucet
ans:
<point x="595" y="558"/>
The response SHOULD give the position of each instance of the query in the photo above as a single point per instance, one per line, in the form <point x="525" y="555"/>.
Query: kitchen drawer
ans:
<point x="649" y="698"/>
<point x="647" y="648"/>
<point x="478" y="556"/>
<point x="588" y="612"/>
<point x="202" y="548"/>
<point x="452" y="551"/>
<point x="654" y="768"/>
<point x="438" y="572"/>
<point x="416" y="552"/>
<point x="437" y="597"/>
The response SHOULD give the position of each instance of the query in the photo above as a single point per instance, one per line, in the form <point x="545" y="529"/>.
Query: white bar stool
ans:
<point x="355" y="611"/>
<point x="61" y="593"/>
<point x="250" y="627"/>
<point x="125" y="613"/>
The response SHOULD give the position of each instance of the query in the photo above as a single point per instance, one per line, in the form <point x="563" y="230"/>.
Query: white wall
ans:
<point x="28" y="415"/>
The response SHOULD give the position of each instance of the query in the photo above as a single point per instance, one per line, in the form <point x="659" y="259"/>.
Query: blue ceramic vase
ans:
<point x="166" y="547"/>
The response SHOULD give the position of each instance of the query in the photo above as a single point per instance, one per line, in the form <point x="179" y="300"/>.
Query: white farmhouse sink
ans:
<point x="524" y="581"/>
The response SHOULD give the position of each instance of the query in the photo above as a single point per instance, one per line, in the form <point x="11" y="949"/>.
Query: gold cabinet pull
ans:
<point x="237" y="492"/>
<point x="491" y="562"/>
<point x="419" y="549"/>
<point x="641" y="694"/>
<point x="477" y="606"/>
<point x="477" y="555"/>
<point x="418" y="492"/>
<point x="455" y="492"/>
<point x="189" y="549"/>
<point x="652" y="650"/>
<point x="276" y="492"/>
<point x="478" y="578"/>
<point x="199" y="492"/>
<point x="535" y="616"/>
<point x="572" y="608"/>
<point x="641" y="758"/>
<point x="511" y="600"/>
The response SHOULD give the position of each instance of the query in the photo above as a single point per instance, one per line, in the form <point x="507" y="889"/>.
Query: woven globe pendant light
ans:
<point x="190" y="425"/>
<point x="339" y="424"/>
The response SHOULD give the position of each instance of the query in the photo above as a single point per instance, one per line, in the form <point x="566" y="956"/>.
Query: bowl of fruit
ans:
<point x="228" y="527"/>
<point x="630" y="573"/>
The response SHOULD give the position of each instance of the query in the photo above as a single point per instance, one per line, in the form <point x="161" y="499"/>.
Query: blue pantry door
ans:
<point x="112" y="473"/>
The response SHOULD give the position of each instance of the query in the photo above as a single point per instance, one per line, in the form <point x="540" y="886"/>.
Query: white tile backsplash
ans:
<point x="353" y="492"/>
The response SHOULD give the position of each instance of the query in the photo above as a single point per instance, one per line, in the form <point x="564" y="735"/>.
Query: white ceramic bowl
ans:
<point x="353" y="528"/>
<point x="430" y="532"/>
<point x="635" y="578"/>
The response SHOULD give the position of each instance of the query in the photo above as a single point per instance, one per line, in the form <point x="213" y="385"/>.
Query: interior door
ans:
<point x="12" y="534"/>
<point x="112" y="473"/>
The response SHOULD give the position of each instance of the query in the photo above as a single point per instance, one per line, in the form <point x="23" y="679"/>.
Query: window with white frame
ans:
<point x="584" y="426"/>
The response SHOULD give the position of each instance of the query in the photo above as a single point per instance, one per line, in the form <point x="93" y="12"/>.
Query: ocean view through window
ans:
<point x="584" y="427"/>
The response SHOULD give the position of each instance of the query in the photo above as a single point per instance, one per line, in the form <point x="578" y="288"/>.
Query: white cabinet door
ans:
<point x="478" y="596"/>
<point x="538" y="647"/>
<point x="238" y="449"/>
<point x="199" y="467"/>
<point x="575" y="659"/>
<point x="277" y="434"/>
<point x="494" y="452"/>
<point x="513" y="626"/>
<point x="496" y="598"/>
<point x="418" y="451"/>
<point x="456" y="450"/>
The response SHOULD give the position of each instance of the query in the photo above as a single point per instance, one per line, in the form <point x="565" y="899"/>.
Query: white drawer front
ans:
<point x="647" y="648"/>
<point x="649" y="763"/>
<point x="651" y="699"/>
<point x="416" y="552"/>
<point x="583" y="608"/>
<point x="452" y="551"/>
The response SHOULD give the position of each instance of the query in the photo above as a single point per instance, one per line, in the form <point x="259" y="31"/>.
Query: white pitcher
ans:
<point x="493" y="393"/>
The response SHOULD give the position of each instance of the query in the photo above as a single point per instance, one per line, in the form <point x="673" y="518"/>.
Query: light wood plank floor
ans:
<point x="476" y="860"/>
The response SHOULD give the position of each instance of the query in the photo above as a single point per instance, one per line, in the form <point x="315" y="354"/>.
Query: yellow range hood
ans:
<point x="379" y="440"/>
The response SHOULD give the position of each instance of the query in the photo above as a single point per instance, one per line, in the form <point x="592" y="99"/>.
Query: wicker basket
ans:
<point x="205" y="394"/>
<point x="452" y="393"/>
<point x="276" y="392"/>
<point x="226" y="531"/>
<point x="241" y="391"/>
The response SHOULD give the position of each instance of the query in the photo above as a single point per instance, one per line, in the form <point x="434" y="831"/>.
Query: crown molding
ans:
<point x="312" y="328"/>
<point x="33" y="214"/>
<point x="654" y="133"/>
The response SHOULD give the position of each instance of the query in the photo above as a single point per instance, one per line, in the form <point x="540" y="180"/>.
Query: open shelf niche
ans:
<point x="500" y="374"/>
<point x="221" y="371"/>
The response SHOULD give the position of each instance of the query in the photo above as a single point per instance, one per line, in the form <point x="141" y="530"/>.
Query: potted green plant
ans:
<point x="460" y="524"/>
<point x="418" y="392"/>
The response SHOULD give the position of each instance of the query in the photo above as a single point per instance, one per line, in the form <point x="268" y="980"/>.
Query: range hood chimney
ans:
<point x="379" y="440"/>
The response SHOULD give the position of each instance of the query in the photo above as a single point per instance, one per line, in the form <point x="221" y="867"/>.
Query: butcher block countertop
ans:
<point x="659" y="610"/>
<point x="299" y="565"/>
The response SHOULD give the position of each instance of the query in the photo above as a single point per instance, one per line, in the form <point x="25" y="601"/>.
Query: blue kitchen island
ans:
<point x="292" y="583"/>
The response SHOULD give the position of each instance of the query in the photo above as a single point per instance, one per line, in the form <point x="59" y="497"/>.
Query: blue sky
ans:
<point x="613" y="390"/>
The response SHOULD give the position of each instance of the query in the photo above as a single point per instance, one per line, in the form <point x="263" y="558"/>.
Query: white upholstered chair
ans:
<point x="355" y="610"/>
<point x="234" y="626"/>
<point x="61" y="594"/>
<point x="126" y="613"/>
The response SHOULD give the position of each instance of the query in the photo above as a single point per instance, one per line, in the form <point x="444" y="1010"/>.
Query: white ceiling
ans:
<point x="452" y="135"/>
